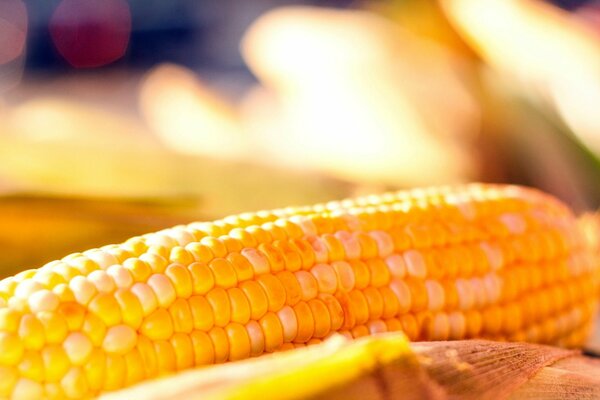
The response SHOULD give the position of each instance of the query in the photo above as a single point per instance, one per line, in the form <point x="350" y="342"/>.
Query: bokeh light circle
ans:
<point x="91" y="33"/>
<point x="13" y="29"/>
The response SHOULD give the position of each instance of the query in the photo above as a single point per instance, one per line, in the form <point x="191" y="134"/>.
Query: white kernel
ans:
<point x="146" y="297"/>
<point x="43" y="300"/>
<point x="466" y="296"/>
<point x="435" y="294"/>
<point x="102" y="258"/>
<point x="385" y="244"/>
<point x="26" y="389"/>
<point x="396" y="265"/>
<point x="119" y="339"/>
<point x="78" y="347"/>
<point x="415" y="264"/>
<point x="82" y="289"/>
<point x="102" y="280"/>
<point x="27" y="287"/>
<point x="120" y="275"/>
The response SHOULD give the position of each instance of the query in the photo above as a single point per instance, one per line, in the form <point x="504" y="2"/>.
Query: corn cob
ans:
<point x="486" y="261"/>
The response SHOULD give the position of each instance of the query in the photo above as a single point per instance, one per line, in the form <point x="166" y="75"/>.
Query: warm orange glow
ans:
<point x="188" y="116"/>
<point x="340" y="96"/>
<point x="542" y="46"/>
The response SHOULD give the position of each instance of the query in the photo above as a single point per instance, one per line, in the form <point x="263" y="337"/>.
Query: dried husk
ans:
<point x="388" y="367"/>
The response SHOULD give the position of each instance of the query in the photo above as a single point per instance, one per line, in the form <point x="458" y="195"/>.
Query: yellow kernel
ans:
<point x="306" y="252"/>
<point x="106" y="307"/>
<point x="119" y="339"/>
<point x="231" y="244"/>
<point x="362" y="275"/>
<point x="94" y="369"/>
<point x="243" y="268"/>
<point x="291" y="285"/>
<point x="48" y="278"/>
<point x="321" y="317"/>
<point x="74" y="383"/>
<point x="134" y="367"/>
<point x="140" y="270"/>
<point x="157" y="263"/>
<point x="374" y="302"/>
<point x="200" y="252"/>
<point x="273" y="256"/>
<point x="393" y="325"/>
<point x="410" y="326"/>
<point x="276" y="231"/>
<point x="203" y="279"/>
<point x="336" y="313"/>
<point x="216" y="246"/>
<point x="259" y="234"/>
<point x="358" y="306"/>
<point x="180" y="255"/>
<point x="223" y="272"/>
<point x="9" y="379"/>
<point x="345" y="275"/>
<point x="56" y="362"/>
<point x="243" y="236"/>
<point x="368" y="246"/>
<point x="474" y="323"/>
<point x="257" y="298"/>
<point x="220" y="342"/>
<point x="239" y="341"/>
<point x="291" y="256"/>
<point x="306" y="322"/>
<point x="32" y="366"/>
<point x="55" y="326"/>
<point x="74" y="314"/>
<point x="9" y="320"/>
<point x="240" y="307"/>
<point x="184" y="350"/>
<point x="181" y="279"/>
<point x="380" y="275"/>
<point x="116" y="372"/>
<point x="182" y="316"/>
<point x="358" y="331"/>
<point x="131" y="309"/>
<point x="158" y="325"/>
<point x="204" y="353"/>
<point x="11" y="349"/>
<point x="202" y="313"/>
<point x="149" y="358"/>
<point x="272" y="330"/>
<point x="64" y="293"/>
<point x="94" y="328"/>
<point x="274" y="290"/>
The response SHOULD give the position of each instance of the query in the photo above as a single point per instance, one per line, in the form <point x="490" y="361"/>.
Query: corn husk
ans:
<point x="386" y="366"/>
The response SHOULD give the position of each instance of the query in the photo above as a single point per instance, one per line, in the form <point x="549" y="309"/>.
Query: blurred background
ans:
<point x="122" y="117"/>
